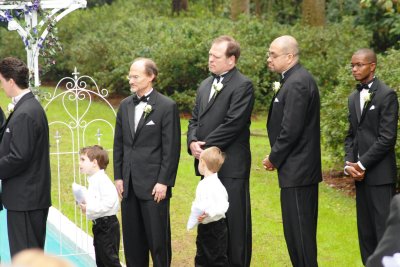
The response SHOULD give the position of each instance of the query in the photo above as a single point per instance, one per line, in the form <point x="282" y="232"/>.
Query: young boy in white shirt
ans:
<point x="212" y="200"/>
<point x="101" y="206"/>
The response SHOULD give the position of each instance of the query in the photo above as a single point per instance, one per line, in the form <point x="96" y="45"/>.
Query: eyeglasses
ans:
<point x="132" y="77"/>
<point x="272" y="55"/>
<point x="359" y="65"/>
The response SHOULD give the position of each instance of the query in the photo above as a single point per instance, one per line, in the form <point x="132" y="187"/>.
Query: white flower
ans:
<point x="276" y="86"/>
<point x="217" y="88"/>
<point x="10" y="107"/>
<point x="367" y="97"/>
<point x="147" y="109"/>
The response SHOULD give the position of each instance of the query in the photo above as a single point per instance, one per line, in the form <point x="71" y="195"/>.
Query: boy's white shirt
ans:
<point x="211" y="198"/>
<point x="101" y="197"/>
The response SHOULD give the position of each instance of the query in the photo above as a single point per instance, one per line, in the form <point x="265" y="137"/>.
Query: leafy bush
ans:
<point x="102" y="42"/>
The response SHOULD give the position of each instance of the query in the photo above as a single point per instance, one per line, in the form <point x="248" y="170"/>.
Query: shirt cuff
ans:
<point x="361" y="166"/>
<point x="344" y="170"/>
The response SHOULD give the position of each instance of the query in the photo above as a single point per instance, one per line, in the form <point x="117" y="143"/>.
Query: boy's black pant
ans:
<point x="106" y="238"/>
<point x="212" y="244"/>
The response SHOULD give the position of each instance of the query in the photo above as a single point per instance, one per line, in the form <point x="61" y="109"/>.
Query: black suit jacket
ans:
<point x="25" y="158"/>
<point x="390" y="242"/>
<point x="294" y="130"/>
<point x="151" y="154"/>
<point x="225" y="122"/>
<point x="372" y="134"/>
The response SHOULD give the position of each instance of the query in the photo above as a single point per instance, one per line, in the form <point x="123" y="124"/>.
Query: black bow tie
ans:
<point x="137" y="100"/>
<point x="362" y="86"/>
<point x="218" y="77"/>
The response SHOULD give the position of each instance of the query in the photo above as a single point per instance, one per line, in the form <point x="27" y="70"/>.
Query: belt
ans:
<point x="103" y="219"/>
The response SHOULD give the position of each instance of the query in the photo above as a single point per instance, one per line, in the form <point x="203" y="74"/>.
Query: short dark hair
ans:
<point x="149" y="66"/>
<point x="14" y="68"/>
<point x="233" y="48"/>
<point x="96" y="153"/>
<point x="368" y="53"/>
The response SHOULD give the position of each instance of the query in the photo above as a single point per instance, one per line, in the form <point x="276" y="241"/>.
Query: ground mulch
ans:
<point x="337" y="180"/>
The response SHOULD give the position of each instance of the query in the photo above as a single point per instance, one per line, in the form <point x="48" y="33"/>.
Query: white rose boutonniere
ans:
<point x="10" y="108"/>
<point x="367" y="98"/>
<point x="217" y="88"/>
<point x="147" y="109"/>
<point x="276" y="86"/>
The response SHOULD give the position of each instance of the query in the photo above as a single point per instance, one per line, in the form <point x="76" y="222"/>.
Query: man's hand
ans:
<point x="159" y="192"/>
<point x="268" y="164"/>
<point x="354" y="170"/>
<point x="83" y="207"/>
<point x="119" y="184"/>
<point x="202" y="217"/>
<point x="195" y="148"/>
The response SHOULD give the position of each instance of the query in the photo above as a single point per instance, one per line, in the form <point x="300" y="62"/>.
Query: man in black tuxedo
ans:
<point x="221" y="117"/>
<point x="369" y="147"/>
<point x="146" y="155"/>
<point x="390" y="241"/>
<point x="24" y="161"/>
<point x="294" y="134"/>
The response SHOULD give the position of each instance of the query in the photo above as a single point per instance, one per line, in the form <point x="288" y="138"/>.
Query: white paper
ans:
<point x="195" y="213"/>
<point x="79" y="192"/>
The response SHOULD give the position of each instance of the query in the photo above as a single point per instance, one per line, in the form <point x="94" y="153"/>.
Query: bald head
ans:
<point x="366" y="53"/>
<point x="283" y="54"/>
<point x="288" y="44"/>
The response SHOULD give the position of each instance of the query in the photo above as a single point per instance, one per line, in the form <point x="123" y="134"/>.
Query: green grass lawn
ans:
<point x="337" y="233"/>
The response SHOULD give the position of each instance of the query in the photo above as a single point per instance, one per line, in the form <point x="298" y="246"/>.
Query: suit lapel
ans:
<point x="206" y="94"/>
<point x="131" y="116"/>
<point x="372" y="91"/>
<point x="357" y="105"/>
<point x="225" y="82"/>
<point x="143" y="120"/>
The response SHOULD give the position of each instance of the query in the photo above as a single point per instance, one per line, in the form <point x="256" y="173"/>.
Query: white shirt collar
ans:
<point x="17" y="98"/>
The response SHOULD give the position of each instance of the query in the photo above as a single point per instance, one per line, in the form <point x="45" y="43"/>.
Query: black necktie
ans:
<point x="362" y="86"/>
<point x="137" y="100"/>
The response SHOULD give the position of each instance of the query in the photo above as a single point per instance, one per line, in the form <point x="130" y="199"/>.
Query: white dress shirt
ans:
<point x="212" y="198"/>
<point x="139" y="110"/>
<point x="212" y="92"/>
<point x="101" y="197"/>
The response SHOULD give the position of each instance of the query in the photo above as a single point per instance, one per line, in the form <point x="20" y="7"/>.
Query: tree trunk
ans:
<point x="314" y="12"/>
<point x="258" y="8"/>
<point x="239" y="7"/>
<point x="179" y="5"/>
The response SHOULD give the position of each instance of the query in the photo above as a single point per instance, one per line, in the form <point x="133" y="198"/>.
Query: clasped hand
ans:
<point x="354" y="170"/>
<point x="268" y="164"/>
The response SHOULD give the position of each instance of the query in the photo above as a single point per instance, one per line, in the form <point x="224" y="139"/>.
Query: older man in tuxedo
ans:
<point x="24" y="161"/>
<point x="369" y="146"/>
<point x="221" y="117"/>
<point x="294" y="134"/>
<point x="146" y="155"/>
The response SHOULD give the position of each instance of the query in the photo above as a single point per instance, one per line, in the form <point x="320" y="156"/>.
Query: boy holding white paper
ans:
<point x="210" y="206"/>
<point x="101" y="206"/>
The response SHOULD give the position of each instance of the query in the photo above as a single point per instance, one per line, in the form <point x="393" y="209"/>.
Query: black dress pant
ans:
<point x="26" y="229"/>
<point x="299" y="215"/>
<point x="106" y="238"/>
<point x="146" y="227"/>
<point x="373" y="208"/>
<point x="212" y="245"/>
<point x="238" y="218"/>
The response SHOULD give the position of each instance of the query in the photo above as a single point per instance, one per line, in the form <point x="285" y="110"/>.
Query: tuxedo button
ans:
<point x="200" y="124"/>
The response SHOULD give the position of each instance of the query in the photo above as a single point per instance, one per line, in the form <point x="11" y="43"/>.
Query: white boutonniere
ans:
<point x="147" y="109"/>
<point x="10" y="108"/>
<point x="367" y="97"/>
<point x="217" y="88"/>
<point x="276" y="86"/>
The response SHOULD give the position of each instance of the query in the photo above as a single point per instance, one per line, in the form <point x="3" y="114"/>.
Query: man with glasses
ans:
<point x="146" y="155"/>
<point x="294" y="133"/>
<point x="369" y="146"/>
